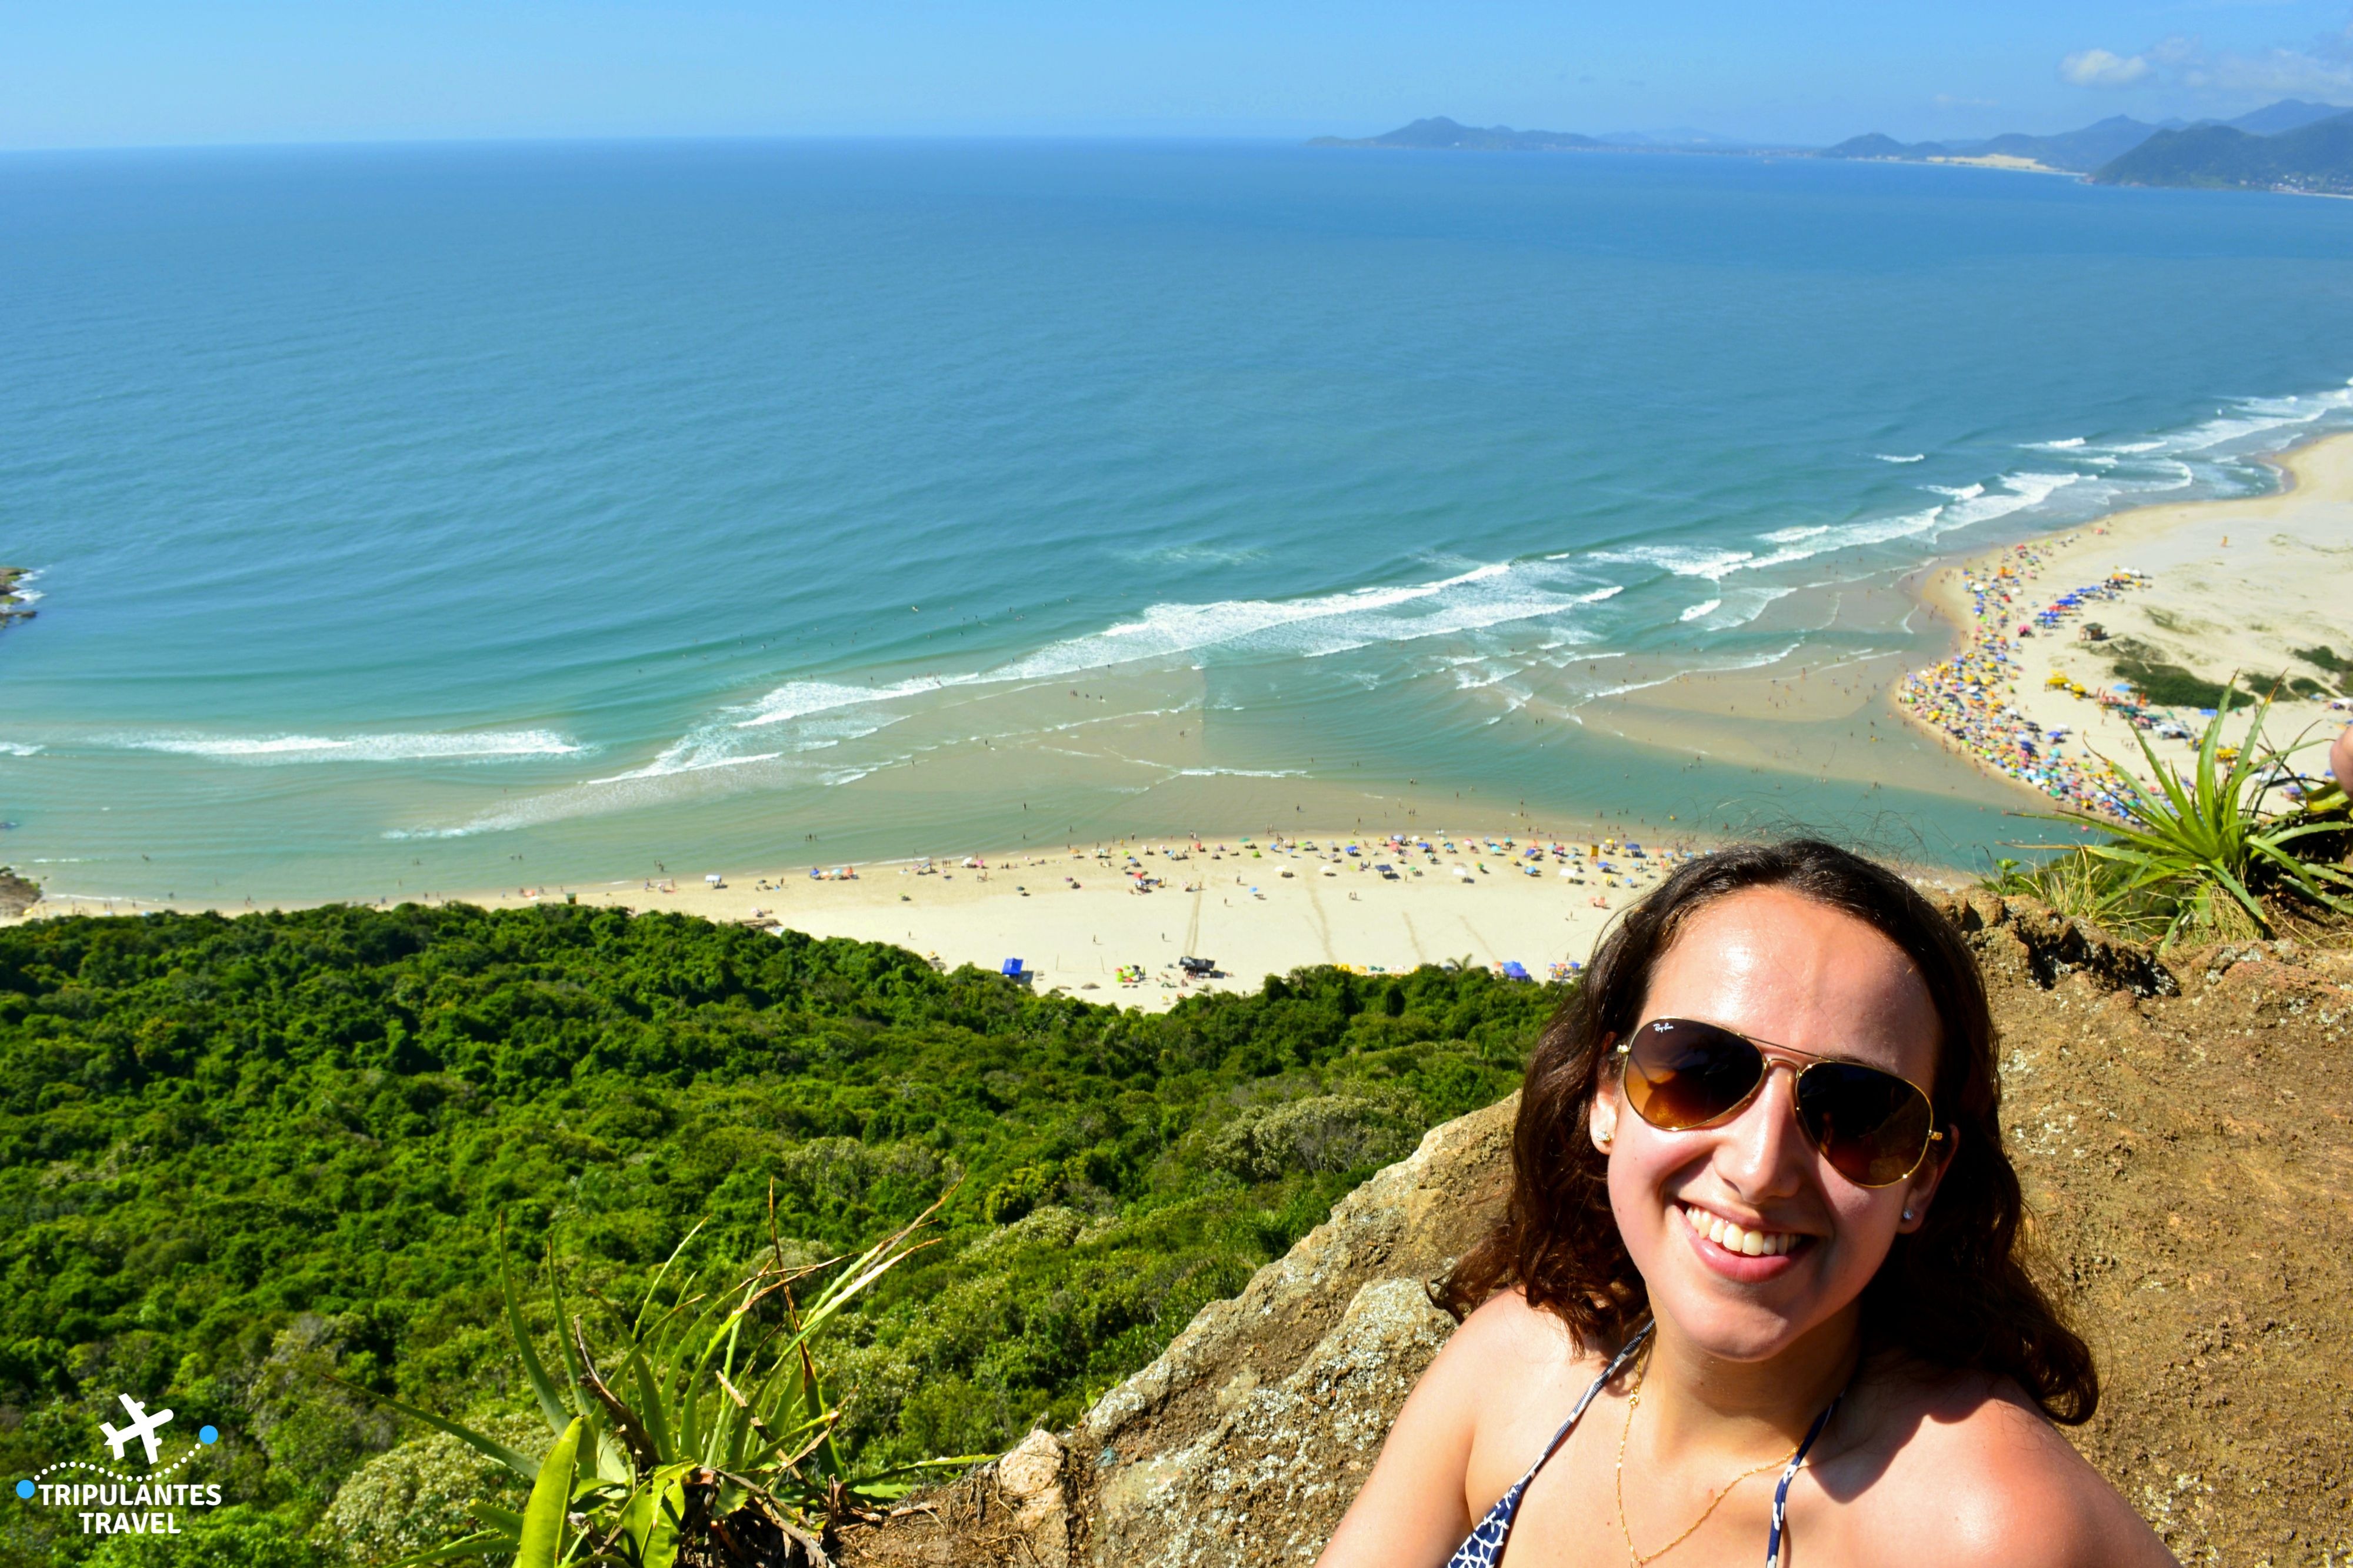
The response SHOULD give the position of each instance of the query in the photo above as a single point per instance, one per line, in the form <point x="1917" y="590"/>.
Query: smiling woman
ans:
<point x="1737" y="1269"/>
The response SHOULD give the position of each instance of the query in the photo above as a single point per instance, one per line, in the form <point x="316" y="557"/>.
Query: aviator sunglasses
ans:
<point x="1873" y="1127"/>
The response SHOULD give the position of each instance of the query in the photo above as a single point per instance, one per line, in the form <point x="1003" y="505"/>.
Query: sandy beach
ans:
<point x="2256" y="589"/>
<point x="1110" y="922"/>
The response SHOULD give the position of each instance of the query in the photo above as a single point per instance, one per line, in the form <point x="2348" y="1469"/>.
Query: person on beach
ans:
<point x="1759" y="1281"/>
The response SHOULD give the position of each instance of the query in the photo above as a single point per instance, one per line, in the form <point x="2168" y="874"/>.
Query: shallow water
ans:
<point x="446" y="517"/>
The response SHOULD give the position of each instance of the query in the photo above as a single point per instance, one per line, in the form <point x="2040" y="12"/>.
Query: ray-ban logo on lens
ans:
<point x="111" y="1501"/>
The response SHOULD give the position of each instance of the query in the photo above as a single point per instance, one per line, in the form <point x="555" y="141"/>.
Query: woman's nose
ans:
<point x="1765" y="1153"/>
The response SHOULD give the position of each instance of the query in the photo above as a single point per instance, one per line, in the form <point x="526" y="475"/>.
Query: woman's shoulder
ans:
<point x="1968" y="1459"/>
<point x="1509" y="1336"/>
<point x="1508" y="1376"/>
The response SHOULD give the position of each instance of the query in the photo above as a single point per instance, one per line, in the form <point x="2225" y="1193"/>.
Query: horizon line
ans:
<point x="1729" y="145"/>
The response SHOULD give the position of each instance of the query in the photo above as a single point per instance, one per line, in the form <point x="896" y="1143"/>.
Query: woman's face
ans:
<point x="1775" y="966"/>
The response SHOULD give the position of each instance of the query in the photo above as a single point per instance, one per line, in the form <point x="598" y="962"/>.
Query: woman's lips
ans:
<point x="1737" y="1252"/>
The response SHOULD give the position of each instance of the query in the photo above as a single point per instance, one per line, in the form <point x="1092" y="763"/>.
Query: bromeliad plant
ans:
<point x="2207" y="840"/>
<point x="712" y="1429"/>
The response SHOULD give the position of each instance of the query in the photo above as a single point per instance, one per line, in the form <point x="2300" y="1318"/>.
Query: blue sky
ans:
<point x="136" y="72"/>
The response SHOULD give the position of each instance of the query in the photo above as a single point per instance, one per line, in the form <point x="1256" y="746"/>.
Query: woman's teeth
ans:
<point x="1733" y="1238"/>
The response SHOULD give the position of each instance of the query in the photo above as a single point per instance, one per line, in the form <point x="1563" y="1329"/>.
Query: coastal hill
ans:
<point x="1439" y="133"/>
<point x="2092" y="147"/>
<point x="2075" y="151"/>
<point x="2317" y="157"/>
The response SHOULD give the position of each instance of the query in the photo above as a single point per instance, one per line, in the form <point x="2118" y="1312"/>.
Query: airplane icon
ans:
<point x="143" y="1427"/>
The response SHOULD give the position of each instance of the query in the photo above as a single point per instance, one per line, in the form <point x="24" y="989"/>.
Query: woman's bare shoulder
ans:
<point x="1504" y="1379"/>
<point x="1476" y="1416"/>
<point x="1509" y="1338"/>
<point x="1971" y="1459"/>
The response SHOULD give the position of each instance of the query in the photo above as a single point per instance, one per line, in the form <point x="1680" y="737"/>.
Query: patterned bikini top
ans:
<point x="1483" y="1547"/>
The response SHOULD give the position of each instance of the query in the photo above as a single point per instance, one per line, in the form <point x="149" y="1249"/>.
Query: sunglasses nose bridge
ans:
<point x="1764" y="1144"/>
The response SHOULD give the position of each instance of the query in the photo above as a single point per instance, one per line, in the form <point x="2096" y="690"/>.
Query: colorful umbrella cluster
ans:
<point x="1970" y="697"/>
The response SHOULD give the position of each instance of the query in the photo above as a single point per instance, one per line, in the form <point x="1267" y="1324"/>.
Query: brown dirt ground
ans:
<point x="2188" y="1153"/>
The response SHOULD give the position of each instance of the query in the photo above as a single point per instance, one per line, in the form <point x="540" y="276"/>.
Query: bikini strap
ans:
<point x="1788" y="1472"/>
<point x="1617" y="1365"/>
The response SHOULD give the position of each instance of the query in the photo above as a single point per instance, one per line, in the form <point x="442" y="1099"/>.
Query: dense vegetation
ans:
<point x="2313" y="157"/>
<point x="238" y="1154"/>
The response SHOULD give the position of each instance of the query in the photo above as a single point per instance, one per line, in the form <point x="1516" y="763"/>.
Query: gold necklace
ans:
<point x="1640" y="1559"/>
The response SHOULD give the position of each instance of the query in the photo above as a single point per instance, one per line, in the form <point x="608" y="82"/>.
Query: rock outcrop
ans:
<point x="1245" y="1442"/>
<point x="16" y="895"/>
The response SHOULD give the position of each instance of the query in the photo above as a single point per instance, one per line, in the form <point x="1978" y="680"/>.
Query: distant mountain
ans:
<point x="2287" y="115"/>
<point x="1875" y="145"/>
<point x="2315" y="156"/>
<point x="1444" y="134"/>
<point x="2093" y="147"/>
<point x="2078" y="151"/>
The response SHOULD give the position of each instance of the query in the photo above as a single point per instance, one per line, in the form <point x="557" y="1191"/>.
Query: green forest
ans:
<point x="252" y="1168"/>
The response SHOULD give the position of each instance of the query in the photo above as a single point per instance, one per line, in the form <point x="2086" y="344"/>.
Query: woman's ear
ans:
<point x="1922" y="1186"/>
<point x="1601" y="1121"/>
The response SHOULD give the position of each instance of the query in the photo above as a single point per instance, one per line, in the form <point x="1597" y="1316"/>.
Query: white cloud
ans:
<point x="2321" y="69"/>
<point x="2278" y="73"/>
<point x="2098" y="67"/>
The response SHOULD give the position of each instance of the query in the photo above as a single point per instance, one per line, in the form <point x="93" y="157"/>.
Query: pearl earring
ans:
<point x="1907" y="1214"/>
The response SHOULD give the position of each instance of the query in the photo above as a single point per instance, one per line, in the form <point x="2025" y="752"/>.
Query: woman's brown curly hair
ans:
<point x="1956" y="1293"/>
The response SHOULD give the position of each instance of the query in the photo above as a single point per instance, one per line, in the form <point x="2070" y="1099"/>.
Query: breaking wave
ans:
<point x="478" y="746"/>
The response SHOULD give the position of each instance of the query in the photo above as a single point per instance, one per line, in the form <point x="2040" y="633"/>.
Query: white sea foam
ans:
<point x="2067" y="444"/>
<point x="666" y="765"/>
<point x="1958" y="492"/>
<point x="1241" y="773"/>
<point x="1705" y="607"/>
<point x="477" y="746"/>
<point x="1896" y="458"/>
<point x="1683" y="560"/>
<point x="799" y="699"/>
<point x="2250" y="417"/>
<point x="2018" y="492"/>
<point x="18" y="749"/>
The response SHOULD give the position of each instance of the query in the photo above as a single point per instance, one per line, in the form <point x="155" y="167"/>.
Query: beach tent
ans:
<point x="1514" y="971"/>
<point x="1012" y="969"/>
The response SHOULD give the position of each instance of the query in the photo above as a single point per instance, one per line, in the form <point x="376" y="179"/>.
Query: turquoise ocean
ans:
<point x="447" y="517"/>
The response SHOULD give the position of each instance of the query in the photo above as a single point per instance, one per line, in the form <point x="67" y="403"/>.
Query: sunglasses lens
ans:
<point x="1681" y="1074"/>
<point x="1872" y="1126"/>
